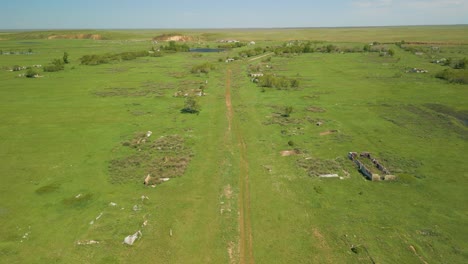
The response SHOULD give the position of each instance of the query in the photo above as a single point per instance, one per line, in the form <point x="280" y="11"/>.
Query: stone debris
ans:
<point x="144" y="197"/>
<point x="112" y="204"/>
<point x="130" y="239"/>
<point x="136" y="208"/>
<point x="87" y="242"/>
<point x="78" y="196"/>
<point x="328" y="176"/>
<point x="97" y="218"/>
<point x="416" y="70"/>
<point x="148" y="134"/>
<point x="147" y="179"/>
<point x="165" y="179"/>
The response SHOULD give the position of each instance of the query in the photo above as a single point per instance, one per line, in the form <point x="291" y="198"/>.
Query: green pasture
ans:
<point x="59" y="134"/>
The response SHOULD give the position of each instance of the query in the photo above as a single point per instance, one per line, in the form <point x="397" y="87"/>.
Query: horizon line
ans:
<point x="227" y="28"/>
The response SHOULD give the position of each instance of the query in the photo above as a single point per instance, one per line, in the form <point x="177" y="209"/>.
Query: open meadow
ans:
<point x="236" y="155"/>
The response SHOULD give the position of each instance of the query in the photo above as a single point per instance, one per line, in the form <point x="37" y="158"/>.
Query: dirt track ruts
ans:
<point x="245" y="227"/>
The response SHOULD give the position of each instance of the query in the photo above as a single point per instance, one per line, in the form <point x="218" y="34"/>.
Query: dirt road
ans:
<point x="245" y="227"/>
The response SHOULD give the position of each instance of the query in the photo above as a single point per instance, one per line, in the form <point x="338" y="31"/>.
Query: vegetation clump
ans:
<point x="109" y="57"/>
<point x="31" y="73"/>
<point x="191" y="106"/>
<point x="166" y="157"/>
<point x="232" y="45"/>
<point x="254" y="52"/>
<point x="454" y="76"/>
<point x="48" y="188"/>
<point x="203" y="68"/>
<point x="316" y="166"/>
<point x="287" y="111"/>
<point x="279" y="82"/>
<point x="54" y="66"/>
<point x="174" y="47"/>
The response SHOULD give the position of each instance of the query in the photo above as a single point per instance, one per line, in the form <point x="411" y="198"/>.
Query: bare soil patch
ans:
<point x="323" y="246"/>
<point x="227" y="192"/>
<point x="328" y="132"/>
<point x="76" y="36"/>
<point x="286" y="153"/>
<point x="173" y="37"/>
<point x="315" y="109"/>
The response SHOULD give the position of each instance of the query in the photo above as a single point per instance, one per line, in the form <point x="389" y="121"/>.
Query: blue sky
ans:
<point x="65" y="14"/>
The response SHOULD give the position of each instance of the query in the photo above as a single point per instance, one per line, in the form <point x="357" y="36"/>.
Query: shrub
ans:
<point x="287" y="111"/>
<point x="31" y="73"/>
<point x="454" y="76"/>
<point x="173" y="46"/>
<point x="461" y="64"/>
<point x="202" y="68"/>
<point x="279" y="82"/>
<point x="106" y="58"/>
<point x="191" y="106"/>
<point x="56" y="65"/>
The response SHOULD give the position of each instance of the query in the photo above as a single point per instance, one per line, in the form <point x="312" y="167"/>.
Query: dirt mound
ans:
<point x="173" y="37"/>
<point x="76" y="36"/>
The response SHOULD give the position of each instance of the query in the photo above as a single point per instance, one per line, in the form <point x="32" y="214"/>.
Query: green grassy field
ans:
<point x="238" y="200"/>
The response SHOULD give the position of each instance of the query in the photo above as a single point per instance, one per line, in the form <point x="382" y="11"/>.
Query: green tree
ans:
<point x="65" y="58"/>
<point x="191" y="106"/>
<point x="391" y="52"/>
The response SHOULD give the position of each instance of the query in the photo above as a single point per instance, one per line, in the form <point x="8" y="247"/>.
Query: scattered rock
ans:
<point x="129" y="240"/>
<point x="87" y="242"/>
<point x="112" y="204"/>
<point x="328" y="176"/>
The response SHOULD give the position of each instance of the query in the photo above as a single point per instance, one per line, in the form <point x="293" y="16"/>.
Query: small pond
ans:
<point x="206" y="50"/>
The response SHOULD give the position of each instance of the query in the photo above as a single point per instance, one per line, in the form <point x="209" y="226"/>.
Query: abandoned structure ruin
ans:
<point x="354" y="156"/>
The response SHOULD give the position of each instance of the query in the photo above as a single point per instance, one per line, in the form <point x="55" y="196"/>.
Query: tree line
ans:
<point x="95" y="59"/>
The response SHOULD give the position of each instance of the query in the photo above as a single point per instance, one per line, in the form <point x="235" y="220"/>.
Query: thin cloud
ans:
<point x="373" y="4"/>
<point x="436" y="4"/>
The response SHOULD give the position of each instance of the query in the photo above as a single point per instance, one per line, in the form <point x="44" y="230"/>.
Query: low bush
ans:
<point x="31" y="73"/>
<point x="54" y="66"/>
<point x="454" y="76"/>
<point x="109" y="57"/>
<point x="203" y="68"/>
<point x="273" y="81"/>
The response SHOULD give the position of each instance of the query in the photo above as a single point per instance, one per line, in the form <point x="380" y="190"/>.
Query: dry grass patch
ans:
<point x="161" y="159"/>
